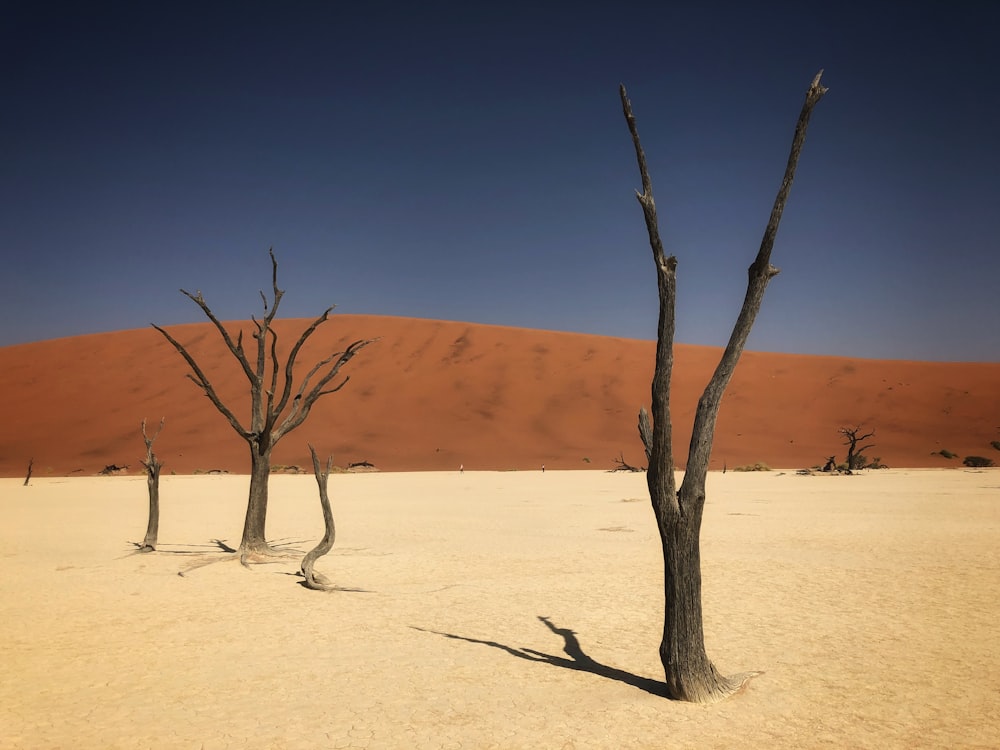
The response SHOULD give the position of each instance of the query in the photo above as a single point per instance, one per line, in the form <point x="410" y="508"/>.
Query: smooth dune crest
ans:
<point x="436" y="395"/>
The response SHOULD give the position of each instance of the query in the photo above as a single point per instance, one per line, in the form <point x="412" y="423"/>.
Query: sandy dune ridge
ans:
<point x="432" y="395"/>
<point x="500" y="610"/>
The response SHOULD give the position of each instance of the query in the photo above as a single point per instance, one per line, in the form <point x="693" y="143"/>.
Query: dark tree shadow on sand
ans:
<point x="578" y="659"/>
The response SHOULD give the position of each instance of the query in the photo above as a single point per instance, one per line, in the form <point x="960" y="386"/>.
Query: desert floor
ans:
<point x="869" y="602"/>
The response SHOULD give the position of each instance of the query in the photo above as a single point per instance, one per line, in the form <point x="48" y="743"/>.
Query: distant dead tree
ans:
<point x="27" y="478"/>
<point x="152" y="465"/>
<point x="622" y="465"/>
<point x="317" y="581"/>
<point x="274" y="412"/>
<point x="690" y="675"/>
<point x="855" y="454"/>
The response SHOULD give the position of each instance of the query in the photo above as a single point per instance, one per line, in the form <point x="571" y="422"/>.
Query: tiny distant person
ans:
<point x="461" y="469"/>
<point x="543" y="468"/>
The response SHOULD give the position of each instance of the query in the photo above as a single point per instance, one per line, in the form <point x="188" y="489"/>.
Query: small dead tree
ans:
<point x="318" y="581"/>
<point x="152" y="465"/>
<point x="622" y="465"/>
<point x="853" y="436"/>
<point x="690" y="675"/>
<point x="274" y="412"/>
<point x="27" y="478"/>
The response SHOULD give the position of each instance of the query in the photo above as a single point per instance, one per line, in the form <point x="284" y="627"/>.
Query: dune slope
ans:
<point x="434" y="395"/>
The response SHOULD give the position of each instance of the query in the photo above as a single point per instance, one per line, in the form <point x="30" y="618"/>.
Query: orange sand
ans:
<point x="433" y="395"/>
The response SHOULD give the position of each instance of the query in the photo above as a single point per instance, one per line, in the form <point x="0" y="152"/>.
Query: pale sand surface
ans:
<point x="869" y="602"/>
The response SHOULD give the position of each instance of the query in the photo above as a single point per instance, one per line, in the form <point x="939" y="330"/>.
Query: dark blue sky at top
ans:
<point x="469" y="161"/>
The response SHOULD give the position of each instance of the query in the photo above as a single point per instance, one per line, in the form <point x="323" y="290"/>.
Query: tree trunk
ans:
<point x="153" y="525"/>
<point x="152" y="466"/>
<point x="313" y="580"/>
<point x="254" y="538"/>
<point x="689" y="673"/>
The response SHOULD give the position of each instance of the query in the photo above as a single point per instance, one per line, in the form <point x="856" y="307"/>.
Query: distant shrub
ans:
<point x="753" y="467"/>
<point x="876" y="463"/>
<point x="586" y="460"/>
<point x="945" y="453"/>
<point x="858" y="461"/>
<point x="977" y="462"/>
<point x="995" y="444"/>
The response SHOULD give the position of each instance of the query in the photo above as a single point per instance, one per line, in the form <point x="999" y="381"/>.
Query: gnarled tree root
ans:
<point x="723" y="688"/>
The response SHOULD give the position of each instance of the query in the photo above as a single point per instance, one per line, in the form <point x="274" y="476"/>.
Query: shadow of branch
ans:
<point x="578" y="660"/>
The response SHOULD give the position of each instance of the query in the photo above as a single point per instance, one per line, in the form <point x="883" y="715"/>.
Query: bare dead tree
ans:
<point x="317" y="581"/>
<point x="622" y="465"/>
<point x="690" y="675"/>
<point x="853" y="436"/>
<point x="152" y="465"/>
<point x="274" y="412"/>
<point x="361" y="465"/>
<point x="27" y="478"/>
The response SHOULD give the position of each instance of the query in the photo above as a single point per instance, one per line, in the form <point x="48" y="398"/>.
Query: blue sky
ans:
<point x="469" y="161"/>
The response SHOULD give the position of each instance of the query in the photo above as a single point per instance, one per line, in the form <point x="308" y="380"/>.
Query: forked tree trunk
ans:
<point x="254" y="534"/>
<point x="688" y="672"/>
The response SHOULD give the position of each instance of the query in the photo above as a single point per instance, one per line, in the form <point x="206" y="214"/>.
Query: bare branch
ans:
<point x="336" y="387"/>
<point x="622" y="465"/>
<point x="237" y="351"/>
<point x="269" y="415"/>
<point x="149" y="440"/>
<point x="290" y="364"/>
<point x="203" y="382"/>
<point x="645" y="198"/>
<point x="659" y="440"/>
<point x="278" y="293"/>
<point x="760" y="273"/>
<point x="303" y="402"/>
<point x="852" y="434"/>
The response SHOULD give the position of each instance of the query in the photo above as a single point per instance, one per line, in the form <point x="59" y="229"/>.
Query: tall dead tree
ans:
<point x="152" y="465"/>
<point x="274" y="412"/>
<point x="313" y="580"/>
<point x="853" y="436"/>
<point x="690" y="675"/>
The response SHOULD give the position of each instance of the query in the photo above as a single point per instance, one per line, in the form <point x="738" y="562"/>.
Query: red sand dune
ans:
<point x="434" y="395"/>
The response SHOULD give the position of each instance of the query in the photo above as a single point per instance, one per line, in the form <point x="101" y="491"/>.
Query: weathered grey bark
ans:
<point x="152" y="466"/>
<point x="27" y="478"/>
<point x="313" y="580"/>
<point x="854" y="436"/>
<point x="273" y="411"/>
<point x="689" y="673"/>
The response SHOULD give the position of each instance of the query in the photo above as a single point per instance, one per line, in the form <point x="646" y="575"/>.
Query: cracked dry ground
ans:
<point x="869" y="603"/>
